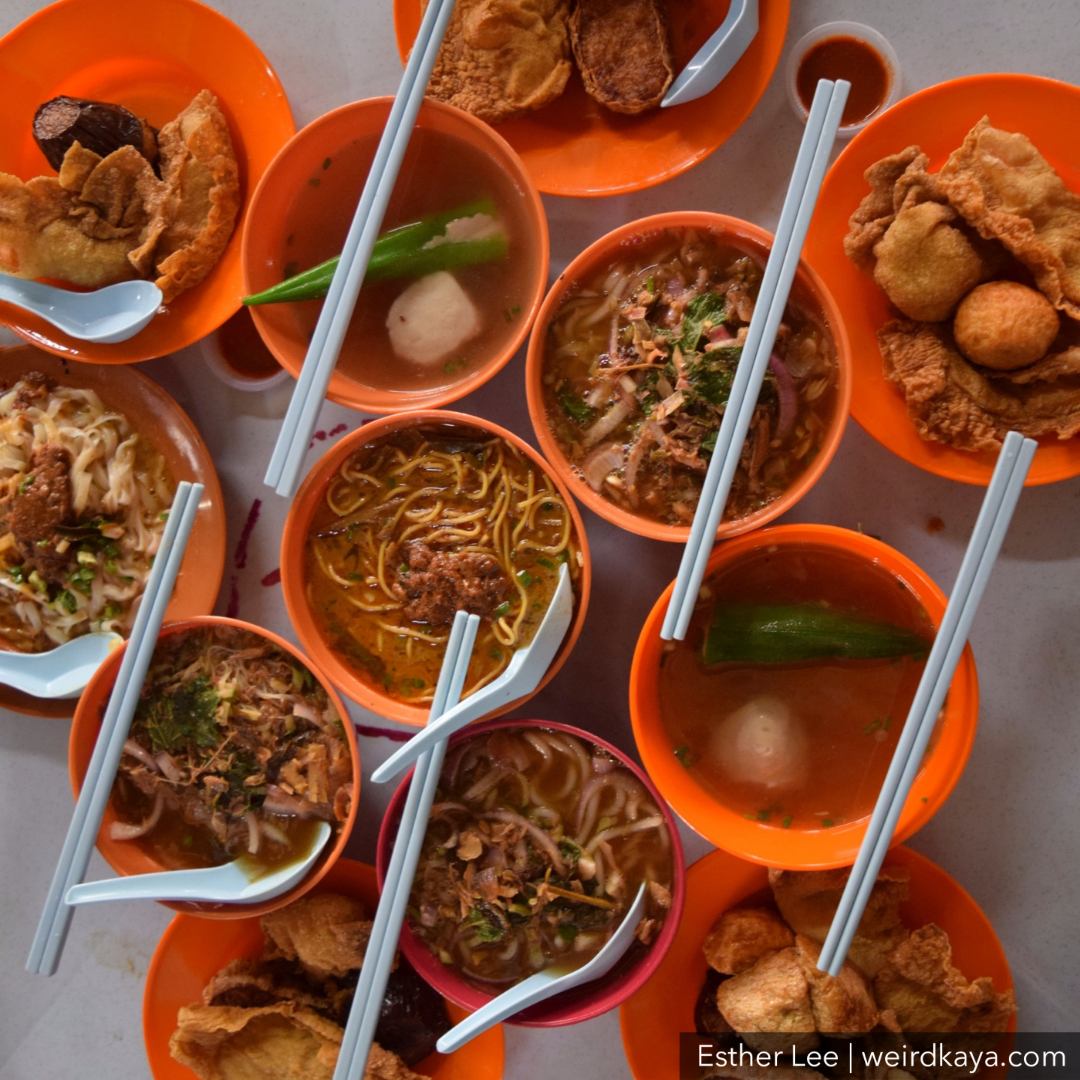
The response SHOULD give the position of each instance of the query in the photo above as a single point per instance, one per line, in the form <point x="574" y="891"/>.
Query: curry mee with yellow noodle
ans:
<point x="420" y="523"/>
<point x="83" y="502"/>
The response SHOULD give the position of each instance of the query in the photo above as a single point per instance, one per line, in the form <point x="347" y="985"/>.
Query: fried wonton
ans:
<point x="768" y="999"/>
<point x="1008" y="191"/>
<point x="104" y="220"/>
<point x="622" y="50"/>
<point x="503" y="58"/>
<point x="808" y="901"/>
<point x="742" y="936"/>
<point x="951" y="401"/>
<point x="843" y="1005"/>
<point x="277" y="1042"/>
<point x="927" y="994"/>
<point x="326" y="934"/>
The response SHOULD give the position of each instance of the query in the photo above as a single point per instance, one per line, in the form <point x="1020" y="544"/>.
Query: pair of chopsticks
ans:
<point x="386" y="929"/>
<point x="291" y="448"/>
<point x="982" y="552"/>
<point x="97" y="784"/>
<point x="810" y="166"/>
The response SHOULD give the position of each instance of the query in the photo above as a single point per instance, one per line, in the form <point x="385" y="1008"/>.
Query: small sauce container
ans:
<point x="851" y="51"/>
<point x="239" y="357"/>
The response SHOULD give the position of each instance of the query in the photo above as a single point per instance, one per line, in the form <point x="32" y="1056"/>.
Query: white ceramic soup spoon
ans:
<point x="104" y="316"/>
<point x="546" y="983"/>
<point x="236" y="882"/>
<point x="62" y="672"/>
<point x="521" y="677"/>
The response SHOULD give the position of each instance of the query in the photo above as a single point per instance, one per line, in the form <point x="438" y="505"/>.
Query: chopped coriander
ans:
<point x="68" y="602"/>
<point x="502" y="610"/>
<point x="575" y="408"/>
<point x="525" y="578"/>
<point x="546" y="563"/>
<point x="786" y="823"/>
<point x="872" y="727"/>
<point x="563" y="555"/>
<point x="763" y="815"/>
<point x="568" y="933"/>
<point x="24" y="483"/>
<point x="18" y="574"/>
<point x="112" y="611"/>
<point x="827" y="823"/>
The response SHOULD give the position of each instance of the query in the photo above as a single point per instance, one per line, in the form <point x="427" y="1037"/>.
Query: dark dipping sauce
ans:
<point x="846" y="58"/>
<point x="244" y="350"/>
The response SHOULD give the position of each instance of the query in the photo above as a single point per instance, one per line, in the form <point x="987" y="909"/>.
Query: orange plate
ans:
<point x="652" y="1019"/>
<point x="152" y="56"/>
<point x="127" y="858"/>
<point x="192" y="950"/>
<point x="166" y="426"/>
<point x="937" y="119"/>
<point x="575" y="146"/>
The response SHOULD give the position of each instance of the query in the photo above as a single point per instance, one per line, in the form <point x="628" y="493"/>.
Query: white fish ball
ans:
<point x="431" y="319"/>
<point x="762" y="743"/>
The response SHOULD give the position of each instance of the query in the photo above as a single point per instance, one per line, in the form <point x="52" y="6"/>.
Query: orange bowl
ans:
<point x="166" y="427"/>
<point x="652" y="1019"/>
<point x="192" y="951"/>
<point x="937" y="119"/>
<point x="294" y="544"/>
<point x="127" y="858"/>
<point x="302" y="162"/>
<point x="794" y="848"/>
<point x="807" y="290"/>
<point x="575" y="146"/>
<point x="152" y="56"/>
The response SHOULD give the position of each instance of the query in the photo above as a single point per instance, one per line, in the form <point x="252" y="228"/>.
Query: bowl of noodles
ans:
<point x="535" y="849"/>
<point x="632" y="357"/>
<point x="406" y="520"/>
<point x="239" y="747"/>
<point x="89" y="460"/>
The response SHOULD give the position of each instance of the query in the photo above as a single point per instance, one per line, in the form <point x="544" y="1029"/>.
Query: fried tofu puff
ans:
<point x="842" y="1005"/>
<point x="1005" y="325"/>
<point x="326" y="934"/>
<point x="742" y="936"/>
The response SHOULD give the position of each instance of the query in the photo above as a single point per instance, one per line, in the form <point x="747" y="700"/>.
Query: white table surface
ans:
<point x="1009" y="831"/>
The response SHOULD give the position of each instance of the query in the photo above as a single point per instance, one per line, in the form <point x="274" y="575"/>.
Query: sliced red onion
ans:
<point x="136" y="751"/>
<point x="166" y="764"/>
<point x="600" y="463"/>
<point x="123" y="830"/>
<point x="253" y="832"/>
<point x="789" y="399"/>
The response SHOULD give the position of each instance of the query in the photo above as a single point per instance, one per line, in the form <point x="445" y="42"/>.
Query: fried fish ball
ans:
<point x="925" y="264"/>
<point x="1005" y="325"/>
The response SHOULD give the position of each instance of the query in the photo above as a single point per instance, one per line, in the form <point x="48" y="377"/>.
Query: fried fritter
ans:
<point x="843" y="1005"/>
<point x="809" y="899"/>
<point x="770" y="998"/>
<point x="949" y="401"/>
<point x="202" y="199"/>
<point x="1005" y="325"/>
<point x="742" y="936"/>
<point x="1048" y="369"/>
<point x="920" y="985"/>
<point x="503" y="58"/>
<point x="277" y="1042"/>
<point x="623" y="51"/>
<point x="925" y="264"/>
<point x="326" y="934"/>
<point x="1008" y="191"/>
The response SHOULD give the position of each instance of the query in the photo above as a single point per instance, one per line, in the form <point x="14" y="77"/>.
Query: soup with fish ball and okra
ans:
<point x="537" y="844"/>
<point x="788" y="694"/>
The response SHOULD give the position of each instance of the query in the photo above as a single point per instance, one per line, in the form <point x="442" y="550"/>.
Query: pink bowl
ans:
<point x="586" y="1001"/>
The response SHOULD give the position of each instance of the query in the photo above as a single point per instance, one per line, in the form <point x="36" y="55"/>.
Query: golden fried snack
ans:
<point x="503" y="58"/>
<point x="82" y="226"/>
<point x="1048" y="369"/>
<point x="1005" y="325"/>
<point x="276" y="1042"/>
<point x="327" y="934"/>
<point x="770" y="998"/>
<point x="808" y="900"/>
<point x="925" y="264"/>
<point x="843" y="1005"/>
<point x="951" y="402"/>
<point x="623" y="52"/>
<point x="742" y="936"/>
<point x="920" y="985"/>
<point x="1008" y="191"/>
<point x="202" y="196"/>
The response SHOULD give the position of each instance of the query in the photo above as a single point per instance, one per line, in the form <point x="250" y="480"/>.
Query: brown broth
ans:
<point x="850" y="712"/>
<point x="846" y="58"/>
<point x="439" y="173"/>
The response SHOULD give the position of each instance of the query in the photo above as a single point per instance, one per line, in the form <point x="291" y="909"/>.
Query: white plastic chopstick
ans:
<point x="995" y="515"/>
<point x="286" y="463"/>
<point x="386" y="929"/>
<point x="97" y="784"/>
<point x="810" y="165"/>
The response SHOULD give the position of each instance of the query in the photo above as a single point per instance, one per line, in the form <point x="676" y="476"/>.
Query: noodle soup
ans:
<point x="419" y="522"/>
<point x="536" y="847"/>
<point x="83" y="503"/>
